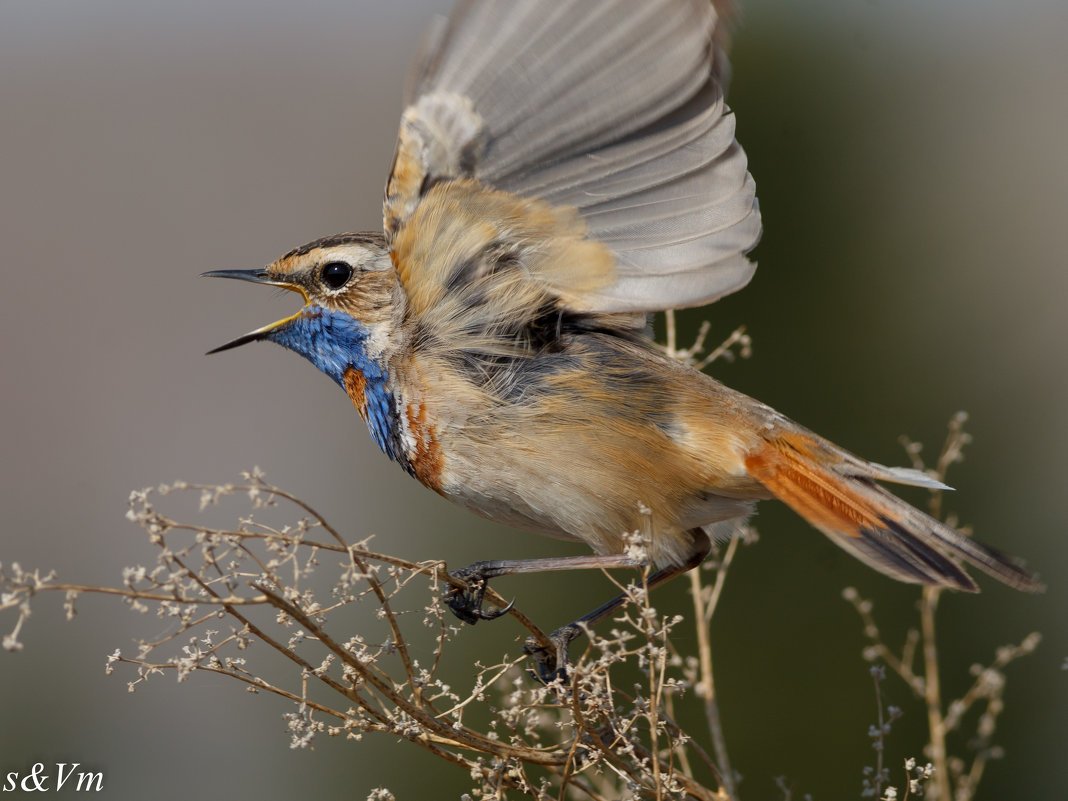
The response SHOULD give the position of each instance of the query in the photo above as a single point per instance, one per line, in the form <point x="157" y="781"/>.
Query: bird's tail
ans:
<point x="836" y="492"/>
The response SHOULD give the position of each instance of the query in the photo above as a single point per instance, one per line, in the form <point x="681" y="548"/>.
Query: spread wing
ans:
<point x="570" y="152"/>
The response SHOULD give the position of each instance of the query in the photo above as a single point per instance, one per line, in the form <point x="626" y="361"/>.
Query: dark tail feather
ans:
<point x="835" y="492"/>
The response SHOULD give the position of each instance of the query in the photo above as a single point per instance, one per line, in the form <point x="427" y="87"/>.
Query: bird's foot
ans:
<point x="551" y="661"/>
<point x="466" y="603"/>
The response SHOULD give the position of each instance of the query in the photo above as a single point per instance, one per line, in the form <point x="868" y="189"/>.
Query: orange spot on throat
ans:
<point x="356" y="389"/>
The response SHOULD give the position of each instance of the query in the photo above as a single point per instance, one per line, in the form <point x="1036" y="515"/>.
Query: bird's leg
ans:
<point x="466" y="603"/>
<point x="551" y="663"/>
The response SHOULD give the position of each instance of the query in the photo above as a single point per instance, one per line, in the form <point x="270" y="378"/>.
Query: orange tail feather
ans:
<point x="836" y="493"/>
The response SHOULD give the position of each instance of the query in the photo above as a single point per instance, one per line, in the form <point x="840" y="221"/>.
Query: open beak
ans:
<point x="257" y="277"/>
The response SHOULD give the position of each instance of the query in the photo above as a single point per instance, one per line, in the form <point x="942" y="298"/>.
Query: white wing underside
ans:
<point x="616" y="109"/>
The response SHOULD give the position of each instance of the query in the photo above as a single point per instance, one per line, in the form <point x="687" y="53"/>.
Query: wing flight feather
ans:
<point x="613" y="109"/>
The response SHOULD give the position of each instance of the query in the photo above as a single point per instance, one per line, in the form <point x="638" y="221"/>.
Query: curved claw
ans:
<point x="496" y="613"/>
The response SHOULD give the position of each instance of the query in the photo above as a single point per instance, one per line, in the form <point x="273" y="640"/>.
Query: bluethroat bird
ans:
<point x="563" y="170"/>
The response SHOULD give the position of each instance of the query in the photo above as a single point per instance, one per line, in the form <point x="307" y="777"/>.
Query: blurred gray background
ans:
<point x="913" y="176"/>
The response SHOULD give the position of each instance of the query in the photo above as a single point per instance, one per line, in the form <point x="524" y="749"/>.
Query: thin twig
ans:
<point x="706" y="688"/>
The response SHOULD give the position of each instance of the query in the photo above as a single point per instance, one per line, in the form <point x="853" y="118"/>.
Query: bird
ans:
<point x="563" y="171"/>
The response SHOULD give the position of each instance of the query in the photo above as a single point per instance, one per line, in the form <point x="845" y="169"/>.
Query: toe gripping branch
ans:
<point x="551" y="662"/>
<point x="466" y="603"/>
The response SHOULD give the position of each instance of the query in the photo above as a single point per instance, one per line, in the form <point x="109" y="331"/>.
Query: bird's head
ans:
<point x="349" y="290"/>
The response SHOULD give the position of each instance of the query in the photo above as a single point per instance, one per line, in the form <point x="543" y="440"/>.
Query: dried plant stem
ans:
<point x="265" y="582"/>
<point x="932" y="693"/>
<point x="724" y="349"/>
<point x="881" y="722"/>
<point x="657" y="664"/>
<point x="125" y="592"/>
<point x="429" y="722"/>
<point x="671" y="346"/>
<point x="738" y="338"/>
<point x="947" y="777"/>
<point x="704" y="607"/>
<point x="951" y="453"/>
<point x="435" y="568"/>
<point x="705" y="599"/>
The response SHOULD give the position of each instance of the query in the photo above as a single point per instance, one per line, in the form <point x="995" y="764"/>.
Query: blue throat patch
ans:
<point x="334" y="341"/>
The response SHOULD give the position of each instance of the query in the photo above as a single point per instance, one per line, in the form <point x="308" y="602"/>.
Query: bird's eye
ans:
<point x="336" y="274"/>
